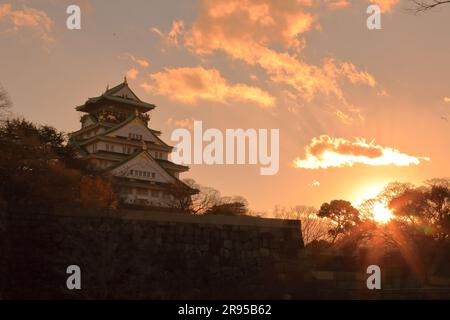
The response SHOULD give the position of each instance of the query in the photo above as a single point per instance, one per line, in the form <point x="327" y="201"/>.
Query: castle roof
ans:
<point x="162" y="164"/>
<point x="130" y="119"/>
<point x="122" y="94"/>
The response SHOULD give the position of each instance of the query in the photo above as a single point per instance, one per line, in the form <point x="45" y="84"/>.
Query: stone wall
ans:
<point x="129" y="254"/>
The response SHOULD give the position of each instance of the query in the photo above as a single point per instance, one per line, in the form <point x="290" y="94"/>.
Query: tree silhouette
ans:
<point x="206" y="200"/>
<point x="39" y="170"/>
<point x="313" y="228"/>
<point x="427" y="208"/>
<point x="426" y="5"/>
<point x="5" y="102"/>
<point x="228" y="209"/>
<point x="343" y="215"/>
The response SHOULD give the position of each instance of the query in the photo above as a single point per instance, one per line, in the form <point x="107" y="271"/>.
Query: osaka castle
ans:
<point x="116" y="139"/>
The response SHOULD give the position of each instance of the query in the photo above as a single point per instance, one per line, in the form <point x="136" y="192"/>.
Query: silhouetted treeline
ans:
<point x="39" y="170"/>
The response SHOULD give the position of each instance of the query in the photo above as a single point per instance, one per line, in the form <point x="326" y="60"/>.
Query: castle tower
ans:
<point x="115" y="138"/>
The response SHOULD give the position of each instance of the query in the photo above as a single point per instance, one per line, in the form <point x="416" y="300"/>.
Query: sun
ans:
<point x="381" y="213"/>
<point x="369" y="191"/>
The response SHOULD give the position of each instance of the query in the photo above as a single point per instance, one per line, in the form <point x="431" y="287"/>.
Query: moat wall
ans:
<point x="129" y="254"/>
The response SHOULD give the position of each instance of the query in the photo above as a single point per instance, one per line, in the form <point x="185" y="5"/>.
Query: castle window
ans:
<point x="109" y="147"/>
<point x="126" y="150"/>
<point x="134" y="136"/>
<point x="144" y="174"/>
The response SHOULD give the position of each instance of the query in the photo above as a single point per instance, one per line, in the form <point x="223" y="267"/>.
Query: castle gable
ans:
<point x="125" y="93"/>
<point x="143" y="167"/>
<point x="134" y="129"/>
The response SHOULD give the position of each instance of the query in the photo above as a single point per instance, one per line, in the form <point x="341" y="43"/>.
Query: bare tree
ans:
<point x="426" y="5"/>
<point x="199" y="202"/>
<point x="313" y="227"/>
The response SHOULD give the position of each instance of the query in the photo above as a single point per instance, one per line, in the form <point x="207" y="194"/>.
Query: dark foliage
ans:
<point x="39" y="170"/>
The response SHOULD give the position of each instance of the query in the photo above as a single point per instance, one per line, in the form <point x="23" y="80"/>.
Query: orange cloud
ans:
<point x="140" y="61"/>
<point x="28" y="18"/>
<point x="181" y="123"/>
<point x="326" y="152"/>
<point x="245" y="30"/>
<point x="171" y="38"/>
<point x="386" y="5"/>
<point x="446" y="99"/>
<point x="132" y="73"/>
<point x="189" y="85"/>
<point x="337" y="4"/>
<point x="263" y="21"/>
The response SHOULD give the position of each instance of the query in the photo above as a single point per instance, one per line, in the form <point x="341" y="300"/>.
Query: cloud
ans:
<point x="171" y="38"/>
<point x="314" y="184"/>
<point x="140" y="61"/>
<point x="446" y="99"/>
<point x="189" y="85"/>
<point x="386" y="5"/>
<point x="326" y="152"/>
<point x="251" y="30"/>
<point x="345" y="118"/>
<point x="27" y="17"/>
<point x="181" y="123"/>
<point x="132" y="73"/>
<point x="337" y="4"/>
<point x="224" y="22"/>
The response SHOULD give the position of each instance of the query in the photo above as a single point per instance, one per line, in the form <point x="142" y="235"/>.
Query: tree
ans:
<point x="314" y="229"/>
<point x="426" y="5"/>
<point x="391" y="191"/>
<point x="206" y="197"/>
<point x="206" y="200"/>
<point x="5" y="102"/>
<point x="427" y="208"/>
<point x="39" y="170"/>
<point x="197" y="202"/>
<point x="421" y="227"/>
<point x="230" y="206"/>
<point x="194" y="198"/>
<point x="343" y="215"/>
<point x="228" y="209"/>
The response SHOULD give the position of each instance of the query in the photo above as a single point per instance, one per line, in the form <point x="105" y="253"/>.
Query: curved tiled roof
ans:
<point x="109" y="95"/>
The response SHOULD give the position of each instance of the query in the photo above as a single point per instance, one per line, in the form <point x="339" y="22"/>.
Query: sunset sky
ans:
<point x="356" y="108"/>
